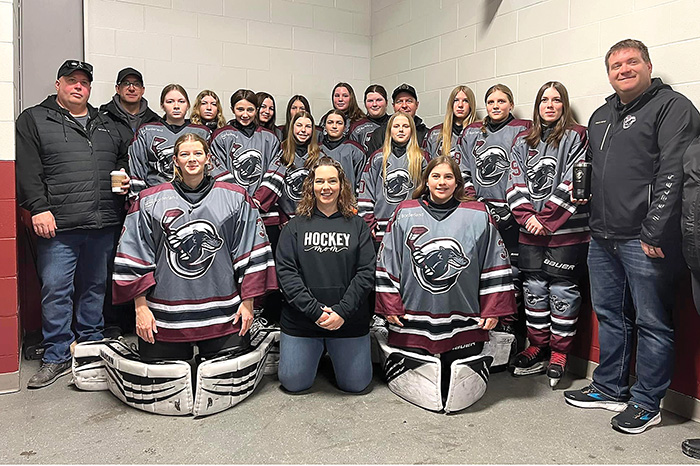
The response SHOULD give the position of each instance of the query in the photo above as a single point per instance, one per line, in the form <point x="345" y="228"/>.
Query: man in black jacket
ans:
<point x="65" y="152"/>
<point x="637" y="140"/>
<point x="404" y="99"/>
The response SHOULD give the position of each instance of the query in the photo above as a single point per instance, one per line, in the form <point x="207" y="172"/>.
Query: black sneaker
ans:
<point x="533" y="360"/>
<point x="691" y="447"/>
<point x="635" y="419"/>
<point x="590" y="397"/>
<point x="48" y="373"/>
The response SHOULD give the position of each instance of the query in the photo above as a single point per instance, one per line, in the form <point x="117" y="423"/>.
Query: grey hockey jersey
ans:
<point x="195" y="262"/>
<point x="432" y="143"/>
<point x="281" y="190"/>
<point x="351" y="157"/>
<point x="442" y="275"/>
<point x="245" y="158"/>
<point x="151" y="154"/>
<point x="539" y="185"/>
<point x="361" y="130"/>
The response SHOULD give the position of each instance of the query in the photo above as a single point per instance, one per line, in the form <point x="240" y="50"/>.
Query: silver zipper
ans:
<point x="602" y="143"/>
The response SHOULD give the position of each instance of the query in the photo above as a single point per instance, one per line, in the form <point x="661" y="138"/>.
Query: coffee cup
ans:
<point x="117" y="178"/>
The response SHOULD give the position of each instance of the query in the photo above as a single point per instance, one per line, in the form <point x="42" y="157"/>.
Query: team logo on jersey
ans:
<point x="294" y="182"/>
<point x="491" y="163"/>
<point x="540" y="174"/>
<point x="437" y="263"/>
<point x="397" y="185"/>
<point x="247" y="166"/>
<point x="191" y="247"/>
<point x="628" y="121"/>
<point x="164" y="156"/>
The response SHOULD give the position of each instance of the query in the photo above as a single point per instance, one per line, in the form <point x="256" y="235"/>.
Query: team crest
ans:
<point x="491" y="163"/>
<point x="437" y="263"/>
<point x="192" y="247"/>
<point x="164" y="156"/>
<point x="628" y="121"/>
<point x="540" y="174"/>
<point x="294" y="182"/>
<point x="247" y="167"/>
<point x="397" y="185"/>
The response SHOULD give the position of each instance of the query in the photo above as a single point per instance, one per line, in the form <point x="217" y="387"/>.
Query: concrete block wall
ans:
<point x="283" y="47"/>
<point x="438" y="44"/>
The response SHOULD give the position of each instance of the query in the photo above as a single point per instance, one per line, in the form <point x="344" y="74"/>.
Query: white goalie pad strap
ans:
<point x="273" y="358"/>
<point x="227" y="380"/>
<point x="504" y="344"/>
<point x="468" y="379"/>
<point x="89" y="371"/>
<point x="377" y="326"/>
<point x="414" y="377"/>
<point x="160" y="388"/>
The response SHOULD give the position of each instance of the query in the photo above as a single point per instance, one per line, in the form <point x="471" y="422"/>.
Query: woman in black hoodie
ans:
<point x="325" y="267"/>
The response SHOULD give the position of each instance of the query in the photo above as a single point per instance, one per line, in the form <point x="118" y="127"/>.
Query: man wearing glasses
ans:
<point x="65" y="151"/>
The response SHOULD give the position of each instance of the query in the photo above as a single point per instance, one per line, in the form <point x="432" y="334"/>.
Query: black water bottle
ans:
<point x="582" y="181"/>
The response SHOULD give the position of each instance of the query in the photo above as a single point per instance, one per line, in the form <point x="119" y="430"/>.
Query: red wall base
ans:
<point x="9" y="311"/>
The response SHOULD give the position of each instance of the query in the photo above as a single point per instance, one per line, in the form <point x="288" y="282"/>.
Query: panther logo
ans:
<point x="437" y="263"/>
<point x="164" y="156"/>
<point x="192" y="247"/>
<point x="293" y="183"/>
<point x="397" y="185"/>
<point x="491" y="163"/>
<point x="247" y="166"/>
<point x="540" y="174"/>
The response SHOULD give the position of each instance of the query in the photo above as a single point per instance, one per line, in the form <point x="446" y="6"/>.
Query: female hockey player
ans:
<point x="151" y="151"/>
<point x="335" y="144"/>
<point x="554" y="231"/>
<point x="443" y="281"/>
<point x="460" y="112"/>
<point x="242" y="147"/>
<point x="376" y="102"/>
<point x="207" y="111"/>
<point x="343" y="97"/>
<point x="267" y="113"/>
<point x="325" y="266"/>
<point x="391" y="174"/>
<point x="192" y="256"/>
<point x="295" y="104"/>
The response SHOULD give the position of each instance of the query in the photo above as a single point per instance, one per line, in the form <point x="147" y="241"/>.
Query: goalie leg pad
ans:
<point x="89" y="371"/>
<point x="504" y="347"/>
<point x="412" y="376"/>
<point x="160" y="388"/>
<point x="468" y="379"/>
<point x="227" y="380"/>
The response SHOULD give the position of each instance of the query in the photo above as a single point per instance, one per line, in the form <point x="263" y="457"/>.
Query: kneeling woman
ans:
<point x="443" y="275"/>
<point x="325" y="265"/>
<point x="193" y="254"/>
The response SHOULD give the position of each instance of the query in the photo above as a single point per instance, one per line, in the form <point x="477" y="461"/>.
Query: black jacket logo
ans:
<point x="247" y="166"/>
<point x="164" y="156"/>
<point x="397" y="185"/>
<point x="293" y="183"/>
<point x="437" y="263"/>
<point x="491" y="163"/>
<point x="191" y="247"/>
<point x="540" y="174"/>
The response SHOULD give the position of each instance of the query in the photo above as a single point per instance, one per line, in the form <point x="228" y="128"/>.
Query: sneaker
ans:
<point x="635" y="419"/>
<point x="48" y="373"/>
<point x="533" y="360"/>
<point x="557" y="365"/>
<point x="691" y="447"/>
<point x="590" y="397"/>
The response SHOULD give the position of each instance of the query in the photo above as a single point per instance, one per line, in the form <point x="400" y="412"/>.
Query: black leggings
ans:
<point x="169" y="351"/>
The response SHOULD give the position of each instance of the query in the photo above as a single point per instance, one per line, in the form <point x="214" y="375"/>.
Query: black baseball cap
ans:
<point x="74" y="65"/>
<point x="404" y="88"/>
<point x="129" y="72"/>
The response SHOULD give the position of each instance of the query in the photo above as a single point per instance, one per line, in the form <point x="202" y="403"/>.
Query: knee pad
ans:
<point x="414" y="377"/>
<point x="469" y="378"/>
<point x="227" y="380"/>
<point x="89" y="371"/>
<point x="502" y="346"/>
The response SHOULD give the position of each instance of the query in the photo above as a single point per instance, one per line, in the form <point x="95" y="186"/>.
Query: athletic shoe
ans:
<point x="48" y="373"/>
<point x="557" y="365"/>
<point x="635" y="419"/>
<point x="691" y="447"/>
<point x="590" y="397"/>
<point x="533" y="360"/>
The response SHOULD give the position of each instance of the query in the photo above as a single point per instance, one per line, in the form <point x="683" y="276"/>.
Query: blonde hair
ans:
<point x="195" y="116"/>
<point x="189" y="137"/>
<point x="289" y="146"/>
<point x="446" y="134"/>
<point x="413" y="151"/>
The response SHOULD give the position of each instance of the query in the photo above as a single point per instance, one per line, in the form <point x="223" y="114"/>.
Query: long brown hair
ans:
<point x="459" y="193"/>
<point x="347" y="205"/>
<point x="446" y="135"/>
<point x="413" y="151"/>
<point x="196" y="118"/>
<point x="566" y="121"/>
<point x="496" y="87"/>
<point x="261" y="96"/>
<point x="379" y="89"/>
<point x="353" y="112"/>
<point x="189" y="137"/>
<point x="289" y="145"/>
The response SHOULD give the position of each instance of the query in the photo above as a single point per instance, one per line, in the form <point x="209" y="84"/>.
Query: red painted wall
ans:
<point x="9" y="315"/>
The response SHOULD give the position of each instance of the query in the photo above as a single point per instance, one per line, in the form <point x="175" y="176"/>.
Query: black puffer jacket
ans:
<point x="64" y="168"/>
<point x="691" y="205"/>
<point x="114" y="113"/>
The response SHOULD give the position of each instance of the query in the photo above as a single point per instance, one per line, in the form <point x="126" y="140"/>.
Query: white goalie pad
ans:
<point x="377" y="326"/>
<point x="414" y="377"/>
<point x="469" y="378"/>
<point x="273" y="357"/>
<point x="89" y="371"/>
<point x="227" y="380"/>
<point x="504" y="344"/>
<point x="161" y="388"/>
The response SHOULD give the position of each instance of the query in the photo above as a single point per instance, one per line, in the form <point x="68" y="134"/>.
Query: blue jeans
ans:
<point x="628" y="290"/>
<point x="73" y="271"/>
<point x="299" y="357"/>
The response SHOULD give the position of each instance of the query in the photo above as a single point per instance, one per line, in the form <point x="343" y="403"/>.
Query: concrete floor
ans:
<point x="517" y="421"/>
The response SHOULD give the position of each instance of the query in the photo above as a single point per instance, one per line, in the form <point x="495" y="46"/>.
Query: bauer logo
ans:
<point x="438" y="262"/>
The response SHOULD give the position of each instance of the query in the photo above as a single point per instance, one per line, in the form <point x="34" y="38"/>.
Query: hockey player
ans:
<point x="325" y="265"/>
<point x="267" y="113"/>
<point x="391" y="174"/>
<point x="295" y="104"/>
<point x="344" y="100"/>
<point x="193" y="254"/>
<point x="335" y="144"/>
<point x="443" y="279"/>
<point x="243" y="148"/>
<point x="375" y="102"/>
<point x="151" y="151"/>
<point x="554" y="232"/>
<point x="460" y="112"/>
<point x="207" y="111"/>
